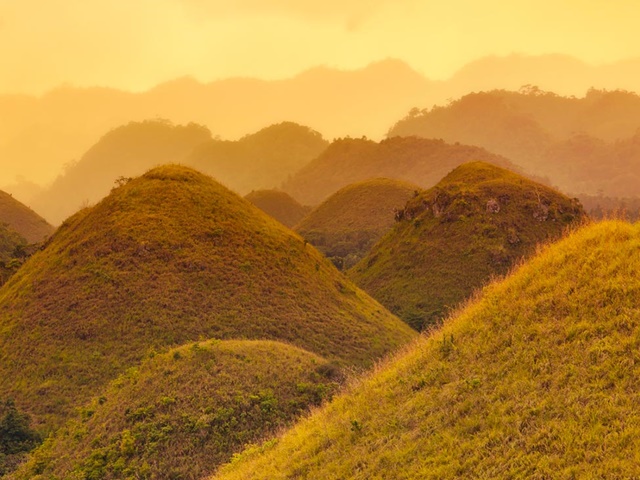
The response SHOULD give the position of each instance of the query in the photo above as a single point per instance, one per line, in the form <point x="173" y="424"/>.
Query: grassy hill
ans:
<point x="475" y="223"/>
<point x="126" y="151"/>
<point x="280" y="205"/>
<point x="11" y="244"/>
<point x="347" y="224"/>
<point x="539" y="378"/>
<point x="261" y="160"/>
<point x="21" y="219"/>
<point x="167" y="258"/>
<point x="346" y="161"/>
<point x="182" y="413"/>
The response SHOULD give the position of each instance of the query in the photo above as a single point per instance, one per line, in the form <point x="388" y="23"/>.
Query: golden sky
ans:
<point x="135" y="44"/>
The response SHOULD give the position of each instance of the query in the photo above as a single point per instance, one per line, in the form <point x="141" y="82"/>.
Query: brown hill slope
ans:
<point x="417" y="160"/>
<point x="23" y="220"/>
<point x="475" y="223"/>
<point x="167" y="258"/>
<point x="347" y="224"/>
<point x="280" y="205"/>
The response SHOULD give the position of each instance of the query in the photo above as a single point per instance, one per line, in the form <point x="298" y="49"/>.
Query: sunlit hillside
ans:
<point x="182" y="413"/>
<point x="475" y="224"/>
<point x="538" y="378"/>
<point x="171" y="257"/>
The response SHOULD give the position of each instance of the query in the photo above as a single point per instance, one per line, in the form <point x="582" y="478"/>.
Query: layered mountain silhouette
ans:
<point x="262" y="160"/>
<point x="167" y="258"/>
<point x="475" y="224"/>
<point x="347" y="224"/>
<point x="279" y="205"/>
<point x="412" y="159"/>
<point x="182" y="413"/>
<point x="536" y="379"/>
<point x="124" y="152"/>
<point x="583" y="145"/>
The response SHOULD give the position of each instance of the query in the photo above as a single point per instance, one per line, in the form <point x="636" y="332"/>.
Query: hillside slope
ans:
<point x="166" y="258"/>
<point x="348" y="223"/>
<point x="279" y="205"/>
<point x="346" y="161"/>
<point x="261" y="160"/>
<point x="476" y="223"/>
<point x="182" y="413"/>
<point x="21" y="219"/>
<point x="540" y="378"/>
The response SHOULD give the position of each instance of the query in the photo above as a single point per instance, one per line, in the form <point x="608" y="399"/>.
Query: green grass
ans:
<point x="539" y="378"/>
<point x="182" y="413"/>
<point x="21" y="219"/>
<point x="346" y="225"/>
<point x="280" y="205"/>
<point x="168" y="258"/>
<point x="452" y="239"/>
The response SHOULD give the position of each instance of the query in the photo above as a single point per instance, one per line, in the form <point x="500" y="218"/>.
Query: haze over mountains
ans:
<point x="39" y="135"/>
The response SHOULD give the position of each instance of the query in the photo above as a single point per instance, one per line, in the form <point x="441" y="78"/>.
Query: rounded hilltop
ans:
<point x="450" y="240"/>
<point x="279" y="205"/>
<point x="167" y="258"/>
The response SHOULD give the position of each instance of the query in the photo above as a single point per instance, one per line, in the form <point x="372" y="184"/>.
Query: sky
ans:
<point x="136" y="44"/>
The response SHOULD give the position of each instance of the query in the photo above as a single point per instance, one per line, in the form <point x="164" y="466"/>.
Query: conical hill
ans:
<point x="348" y="223"/>
<point x="540" y="378"/>
<point x="475" y="223"/>
<point x="278" y="204"/>
<point x="21" y="219"/>
<point x="182" y="413"/>
<point x="167" y="258"/>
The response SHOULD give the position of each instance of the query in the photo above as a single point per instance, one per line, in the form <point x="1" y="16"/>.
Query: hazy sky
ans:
<point x="135" y="44"/>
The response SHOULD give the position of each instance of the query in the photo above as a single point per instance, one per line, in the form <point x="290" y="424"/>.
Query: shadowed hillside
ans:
<point x="584" y="145"/>
<point x="11" y="245"/>
<point x="23" y="220"/>
<point x="346" y="161"/>
<point x="450" y="240"/>
<point x="261" y="160"/>
<point x="183" y="413"/>
<point x="126" y="151"/>
<point x="279" y="205"/>
<point x="347" y="224"/>
<point x="166" y="258"/>
<point x="539" y="378"/>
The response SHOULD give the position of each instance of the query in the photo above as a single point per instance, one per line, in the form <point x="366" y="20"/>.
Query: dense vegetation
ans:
<point x="167" y="258"/>
<point x="126" y="151"/>
<point x="346" y="225"/>
<point x="450" y="240"/>
<point x="346" y="161"/>
<point x="16" y="436"/>
<point x="22" y="220"/>
<point x="261" y="160"/>
<point x="280" y="205"/>
<point x="12" y="248"/>
<point x="538" y="378"/>
<point x="586" y="145"/>
<point x="182" y="413"/>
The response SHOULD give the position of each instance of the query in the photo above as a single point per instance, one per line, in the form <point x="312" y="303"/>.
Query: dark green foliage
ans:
<point x="450" y="240"/>
<point x="16" y="436"/>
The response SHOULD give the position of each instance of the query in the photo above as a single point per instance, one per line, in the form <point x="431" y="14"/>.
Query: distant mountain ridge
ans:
<point x="44" y="133"/>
